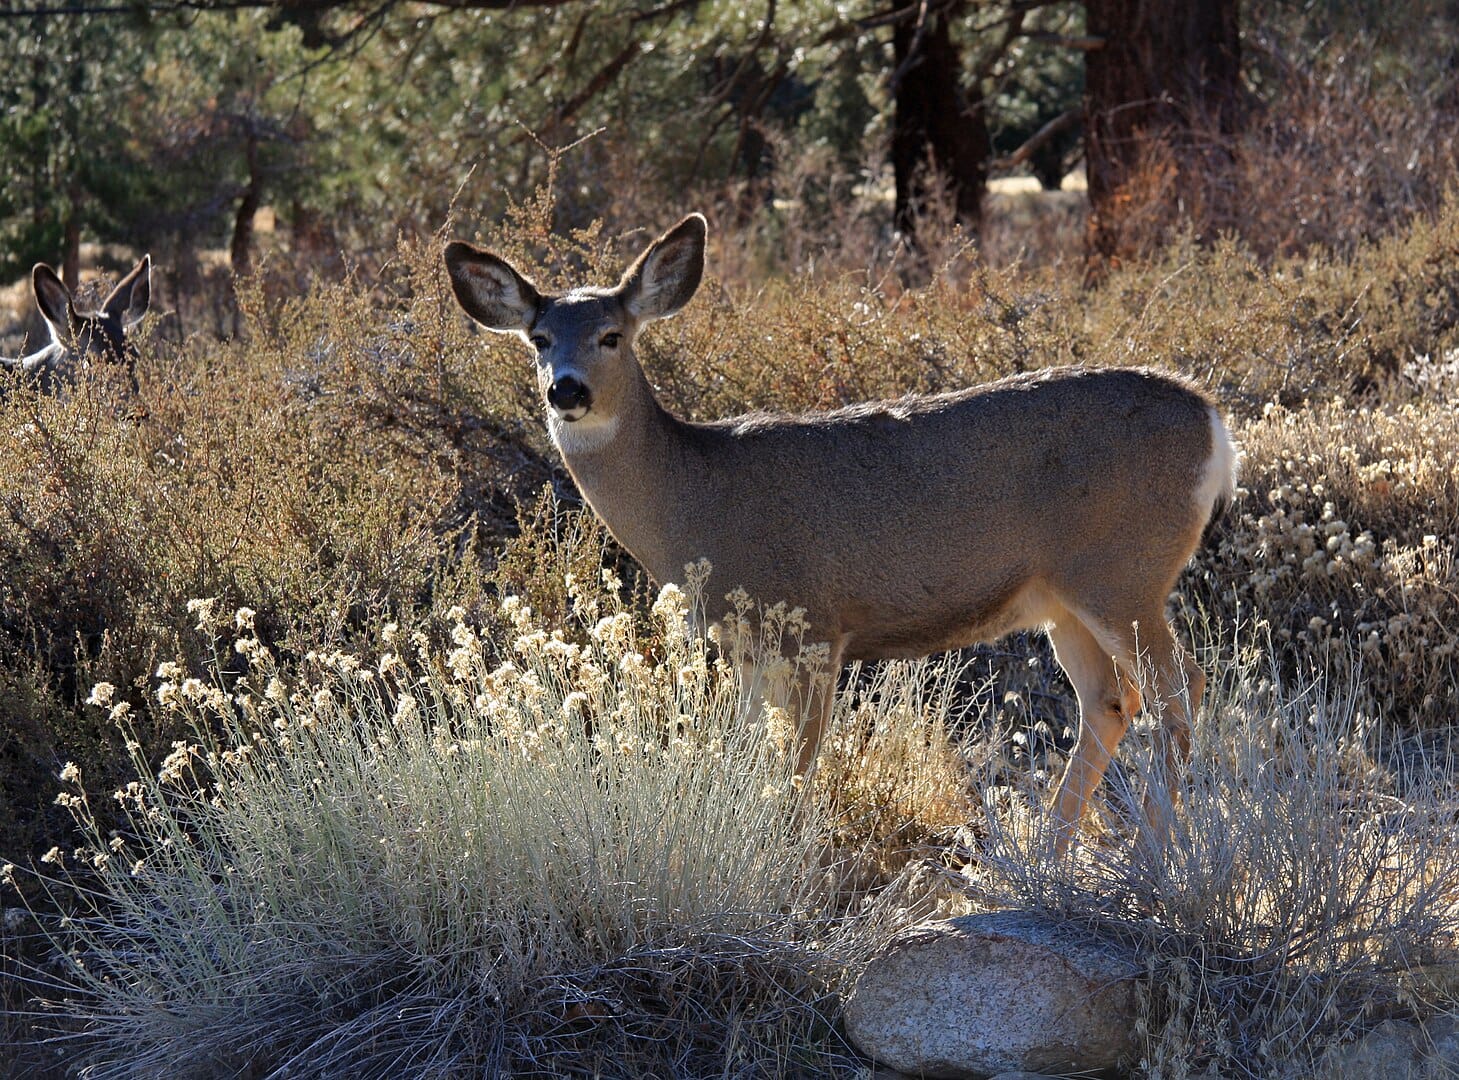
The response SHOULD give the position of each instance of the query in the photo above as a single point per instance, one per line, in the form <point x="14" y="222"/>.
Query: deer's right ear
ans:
<point x="132" y="297"/>
<point x="490" y="290"/>
<point x="53" y="298"/>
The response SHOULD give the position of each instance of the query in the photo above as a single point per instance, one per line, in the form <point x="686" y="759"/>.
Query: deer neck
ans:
<point x="629" y="468"/>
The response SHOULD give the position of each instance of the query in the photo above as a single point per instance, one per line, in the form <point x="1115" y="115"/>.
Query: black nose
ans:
<point x="568" y="393"/>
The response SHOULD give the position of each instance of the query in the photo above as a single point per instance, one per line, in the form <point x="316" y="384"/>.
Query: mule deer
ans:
<point x="79" y="338"/>
<point x="1068" y="499"/>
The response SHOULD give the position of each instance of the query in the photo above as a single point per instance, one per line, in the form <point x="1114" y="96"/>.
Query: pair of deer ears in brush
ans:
<point x="660" y="281"/>
<point x="107" y="326"/>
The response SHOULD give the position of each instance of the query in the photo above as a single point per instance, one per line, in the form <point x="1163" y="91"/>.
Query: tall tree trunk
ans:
<point x="1161" y="102"/>
<point x="71" y="241"/>
<point x="240" y="251"/>
<point x="40" y="156"/>
<point x="936" y="136"/>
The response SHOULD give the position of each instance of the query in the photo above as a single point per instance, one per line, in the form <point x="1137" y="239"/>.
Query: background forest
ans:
<point x="331" y="723"/>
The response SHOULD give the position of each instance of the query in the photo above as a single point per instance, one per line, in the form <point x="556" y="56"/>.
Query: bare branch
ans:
<point x="1086" y="43"/>
<point x="599" y="82"/>
<point x="283" y="7"/>
<point x="914" y="51"/>
<point x="1059" y="124"/>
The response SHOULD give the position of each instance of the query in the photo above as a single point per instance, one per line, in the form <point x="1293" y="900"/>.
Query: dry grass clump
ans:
<point x="1304" y="888"/>
<point x="1290" y="329"/>
<point x="408" y="862"/>
<point x="891" y="766"/>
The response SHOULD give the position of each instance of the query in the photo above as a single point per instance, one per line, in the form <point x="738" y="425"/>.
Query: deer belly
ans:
<point x="903" y="632"/>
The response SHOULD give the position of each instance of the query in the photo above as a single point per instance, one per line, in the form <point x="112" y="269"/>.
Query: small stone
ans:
<point x="1443" y="1032"/>
<point x="1393" y="1048"/>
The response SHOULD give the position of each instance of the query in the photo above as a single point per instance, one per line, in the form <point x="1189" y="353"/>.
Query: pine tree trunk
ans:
<point x="240" y="251"/>
<point x="936" y="137"/>
<point x="1161" y="103"/>
<point x="71" y="239"/>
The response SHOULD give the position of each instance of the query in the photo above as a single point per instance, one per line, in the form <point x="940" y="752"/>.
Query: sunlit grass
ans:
<point x="530" y="853"/>
<point x="391" y="864"/>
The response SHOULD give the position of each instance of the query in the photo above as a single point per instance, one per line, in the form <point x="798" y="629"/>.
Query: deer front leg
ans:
<point x="804" y="688"/>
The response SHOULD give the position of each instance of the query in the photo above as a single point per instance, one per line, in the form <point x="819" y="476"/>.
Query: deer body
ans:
<point x="907" y="527"/>
<point x="80" y="337"/>
<point x="1068" y="499"/>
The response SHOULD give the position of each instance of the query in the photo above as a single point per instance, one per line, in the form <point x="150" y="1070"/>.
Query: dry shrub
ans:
<point x="1288" y="330"/>
<point x="1306" y="883"/>
<point x="216" y="485"/>
<point x="1354" y="138"/>
<point x="333" y="468"/>
<point x="406" y="862"/>
<point x="810" y="343"/>
<point x="1346" y="138"/>
<point x="1345" y="541"/>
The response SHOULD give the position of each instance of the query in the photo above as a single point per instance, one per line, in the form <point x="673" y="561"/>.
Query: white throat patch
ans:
<point x="583" y="436"/>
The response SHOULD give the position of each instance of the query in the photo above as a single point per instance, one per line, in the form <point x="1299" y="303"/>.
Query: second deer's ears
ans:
<point x="131" y="298"/>
<point x="53" y="298"/>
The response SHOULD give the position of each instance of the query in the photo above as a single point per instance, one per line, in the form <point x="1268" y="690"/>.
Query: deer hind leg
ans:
<point x="1179" y="684"/>
<point x="1108" y="698"/>
<point x="1106" y="667"/>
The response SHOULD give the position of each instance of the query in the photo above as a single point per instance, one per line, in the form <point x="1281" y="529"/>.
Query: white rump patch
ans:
<point x="585" y="436"/>
<point x="1218" y="478"/>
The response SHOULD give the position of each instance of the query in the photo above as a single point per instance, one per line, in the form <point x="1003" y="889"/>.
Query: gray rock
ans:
<point x="1398" y="1050"/>
<point x="1443" y="1038"/>
<point x="1392" y="1049"/>
<point x="969" y="998"/>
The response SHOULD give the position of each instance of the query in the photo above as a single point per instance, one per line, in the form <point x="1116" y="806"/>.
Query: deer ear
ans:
<point x="490" y="289"/>
<point x="132" y="296"/>
<point x="664" y="277"/>
<point x="54" y="300"/>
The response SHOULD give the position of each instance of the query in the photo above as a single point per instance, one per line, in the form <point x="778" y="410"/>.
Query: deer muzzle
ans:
<point x="571" y="398"/>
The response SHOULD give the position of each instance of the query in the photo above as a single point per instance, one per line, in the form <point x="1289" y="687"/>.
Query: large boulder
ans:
<point x="968" y="998"/>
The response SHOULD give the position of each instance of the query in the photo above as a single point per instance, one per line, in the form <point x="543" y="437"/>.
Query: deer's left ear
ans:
<point x="54" y="300"/>
<point x="663" y="279"/>
<point x="132" y="296"/>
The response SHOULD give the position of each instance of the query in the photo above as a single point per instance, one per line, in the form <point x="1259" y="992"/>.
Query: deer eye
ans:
<point x="540" y="343"/>
<point x="611" y="340"/>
